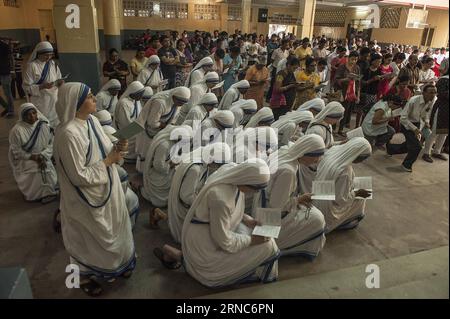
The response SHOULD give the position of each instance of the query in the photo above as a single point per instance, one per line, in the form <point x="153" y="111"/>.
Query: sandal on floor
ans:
<point x="172" y="265"/>
<point x="57" y="222"/>
<point x="92" y="288"/>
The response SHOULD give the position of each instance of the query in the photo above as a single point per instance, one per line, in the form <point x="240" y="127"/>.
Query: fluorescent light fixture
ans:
<point x="331" y="4"/>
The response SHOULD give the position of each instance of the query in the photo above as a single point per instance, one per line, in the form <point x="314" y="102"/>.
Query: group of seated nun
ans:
<point x="207" y="168"/>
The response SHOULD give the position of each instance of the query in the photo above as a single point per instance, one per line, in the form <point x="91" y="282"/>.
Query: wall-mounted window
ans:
<point x="234" y="13"/>
<point x="206" y="12"/>
<point x="145" y="8"/>
<point x="390" y="18"/>
<point x="427" y="37"/>
<point x="11" y="3"/>
<point x="325" y="18"/>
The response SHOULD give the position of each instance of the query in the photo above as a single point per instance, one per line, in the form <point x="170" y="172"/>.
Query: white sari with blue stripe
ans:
<point x="24" y="140"/>
<point x="37" y="73"/>
<point x="95" y="220"/>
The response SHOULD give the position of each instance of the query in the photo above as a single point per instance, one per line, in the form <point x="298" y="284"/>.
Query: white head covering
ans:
<point x="243" y="84"/>
<point x="203" y="62"/>
<point x="307" y="145"/>
<point x="109" y="131"/>
<point x="154" y="59"/>
<point x="338" y="157"/>
<point x="219" y="153"/>
<point x="332" y="109"/>
<point x="246" y="142"/>
<point x="208" y="98"/>
<point x="265" y="114"/>
<point x="316" y="104"/>
<point x="181" y="92"/>
<point x="243" y="104"/>
<point x="252" y="173"/>
<point x="70" y="97"/>
<point x="30" y="106"/>
<point x="42" y="47"/>
<point x="225" y="118"/>
<point x="295" y="117"/>
<point x="134" y="88"/>
<point x="148" y="93"/>
<point x="104" y="117"/>
<point x="111" y="84"/>
<point x="211" y="77"/>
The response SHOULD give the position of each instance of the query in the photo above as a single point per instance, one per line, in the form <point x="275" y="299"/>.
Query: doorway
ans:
<point x="46" y="25"/>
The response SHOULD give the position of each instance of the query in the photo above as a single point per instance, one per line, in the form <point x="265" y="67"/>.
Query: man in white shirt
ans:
<point x="441" y="56"/>
<point x="416" y="110"/>
<point x="426" y="74"/>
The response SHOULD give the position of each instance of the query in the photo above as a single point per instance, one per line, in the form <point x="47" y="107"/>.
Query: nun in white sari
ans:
<point x="151" y="75"/>
<point x="127" y="111"/>
<point x="233" y="94"/>
<point x="190" y="176"/>
<point x="291" y="126"/>
<point x="39" y="81"/>
<point x="210" y="80"/>
<point x="302" y="225"/>
<point x="131" y="198"/>
<point x="202" y="110"/>
<point x="107" y="97"/>
<point x="199" y="71"/>
<point x="157" y="113"/>
<point x="30" y="153"/>
<point x="217" y="246"/>
<point x="95" y="222"/>
<point x="148" y="94"/>
<point x="264" y="117"/>
<point x="347" y="210"/>
<point x="314" y="106"/>
<point x="243" y="110"/>
<point x="159" y="168"/>
<point x="322" y="124"/>
<point x="212" y="129"/>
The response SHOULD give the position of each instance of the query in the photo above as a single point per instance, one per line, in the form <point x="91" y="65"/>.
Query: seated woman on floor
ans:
<point x="30" y="153"/>
<point x="216" y="249"/>
<point x="302" y="225"/>
<point x="347" y="210"/>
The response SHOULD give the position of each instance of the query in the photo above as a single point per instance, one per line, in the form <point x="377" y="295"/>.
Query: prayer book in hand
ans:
<point x="363" y="183"/>
<point x="357" y="132"/>
<point x="323" y="190"/>
<point x="218" y="86"/>
<point x="270" y="220"/>
<point x="128" y="132"/>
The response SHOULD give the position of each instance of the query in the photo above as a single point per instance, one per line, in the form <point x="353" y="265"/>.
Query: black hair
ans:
<point x="163" y="37"/>
<point x="353" y="54"/>
<point x="322" y="61"/>
<point x="220" y="53"/>
<point x="403" y="78"/>
<point x="375" y="56"/>
<point x="427" y="60"/>
<point x="235" y="49"/>
<point x="113" y="50"/>
<point x="364" y="51"/>
<point x="340" y="49"/>
<point x="400" y="56"/>
<point x="393" y="97"/>
<point x="309" y="60"/>
<point x="305" y="40"/>
<point x="293" y="60"/>
<point x="427" y="86"/>
<point x="284" y="41"/>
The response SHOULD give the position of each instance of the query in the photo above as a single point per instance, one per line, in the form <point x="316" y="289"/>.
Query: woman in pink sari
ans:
<point x="385" y="68"/>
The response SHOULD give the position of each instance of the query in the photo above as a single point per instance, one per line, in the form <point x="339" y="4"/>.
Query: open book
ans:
<point x="61" y="79"/>
<point x="270" y="220"/>
<point x="218" y="86"/>
<point x="397" y="112"/>
<point x="363" y="183"/>
<point x="323" y="190"/>
<point x="130" y="131"/>
<point x="357" y="132"/>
